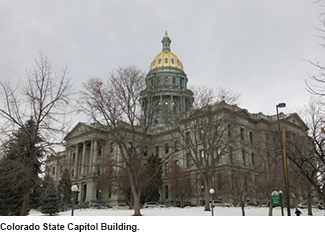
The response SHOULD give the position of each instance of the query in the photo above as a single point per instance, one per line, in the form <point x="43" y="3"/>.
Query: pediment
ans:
<point x="295" y="119"/>
<point x="80" y="129"/>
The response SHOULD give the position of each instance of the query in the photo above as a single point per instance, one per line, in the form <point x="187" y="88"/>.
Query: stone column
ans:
<point x="90" y="162"/>
<point x="95" y="155"/>
<point x="76" y="161"/>
<point x="83" y="159"/>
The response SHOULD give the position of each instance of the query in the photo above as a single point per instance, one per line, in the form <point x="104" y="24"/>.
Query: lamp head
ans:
<point x="281" y="105"/>
<point x="74" y="188"/>
<point x="211" y="191"/>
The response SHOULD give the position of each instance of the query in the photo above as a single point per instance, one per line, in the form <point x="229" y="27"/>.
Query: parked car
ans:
<point x="97" y="206"/>
<point x="187" y="204"/>
<point x="302" y="205"/>
<point x="153" y="205"/>
<point x="250" y="204"/>
<point x="218" y="203"/>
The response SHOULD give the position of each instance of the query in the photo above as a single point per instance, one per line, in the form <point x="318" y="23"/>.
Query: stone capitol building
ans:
<point x="87" y="144"/>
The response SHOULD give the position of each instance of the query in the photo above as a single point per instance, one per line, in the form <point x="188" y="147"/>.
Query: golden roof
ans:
<point x="166" y="60"/>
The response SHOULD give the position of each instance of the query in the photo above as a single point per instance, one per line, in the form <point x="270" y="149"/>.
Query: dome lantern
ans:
<point x="166" y="42"/>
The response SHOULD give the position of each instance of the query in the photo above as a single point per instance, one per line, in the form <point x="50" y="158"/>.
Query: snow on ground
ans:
<point x="196" y="227"/>
<point x="172" y="211"/>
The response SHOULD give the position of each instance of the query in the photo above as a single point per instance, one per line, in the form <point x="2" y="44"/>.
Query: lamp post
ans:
<point x="212" y="199"/>
<point x="281" y="204"/>
<point x="282" y="105"/>
<point x="74" y="190"/>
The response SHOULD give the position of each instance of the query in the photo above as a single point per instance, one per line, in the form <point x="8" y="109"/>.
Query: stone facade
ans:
<point x="88" y="145"/>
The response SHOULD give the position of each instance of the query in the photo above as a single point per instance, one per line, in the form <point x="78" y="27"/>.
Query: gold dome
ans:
<point x="166" y="60"/>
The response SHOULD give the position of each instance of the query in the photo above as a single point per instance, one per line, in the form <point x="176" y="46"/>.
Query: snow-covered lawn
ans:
<point x="172" y="211"/>
<point x="196" y="227"/>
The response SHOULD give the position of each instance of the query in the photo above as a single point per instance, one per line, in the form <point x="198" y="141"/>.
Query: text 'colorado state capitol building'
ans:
<point x="166" y="88"/>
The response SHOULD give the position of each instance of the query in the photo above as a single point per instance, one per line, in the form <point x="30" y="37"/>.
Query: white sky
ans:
<point x="255" y="48"/>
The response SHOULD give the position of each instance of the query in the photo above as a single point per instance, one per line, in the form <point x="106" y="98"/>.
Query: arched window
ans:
<point x="166" y="107"/>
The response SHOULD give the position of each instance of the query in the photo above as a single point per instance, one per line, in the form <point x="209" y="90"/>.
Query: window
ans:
<point x="176" y="146"/>
<point x="166" y="168"/>
<point x="159" y="61"/>
<point x="188" y="161"/>
<point x="166" y="107"/>
<point x="166" y="148"/>
<point x="253" y="159"/>
<point x="112" y="147"/>
<point x="53" y="170"/>
<point x="242" y="133"/>
<point x="250" y="137"/>
<point x="74" y="157"/>
<point x="157" y="151"/>
<point x="231" y="155"/>
<point x="100" y="150"/>
<point x="166" y="60"/>
<point x="174" y="107"/>
<point x="172" y="60"/>
<point x="244" y="156"/>
<point x="202" y="155"/>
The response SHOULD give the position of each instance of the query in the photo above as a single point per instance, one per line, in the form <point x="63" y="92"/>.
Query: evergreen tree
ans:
<point x="10" y="198"/>
<point x="49" y="199"/>
<point x="64" y="190"/>
<point x="153" y="176"/>
<point x="19" y="170"/>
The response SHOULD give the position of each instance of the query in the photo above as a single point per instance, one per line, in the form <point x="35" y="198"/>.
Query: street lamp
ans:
<point x="74" y="190"/>
<point x="212" y="199"/>
<point x="282" y="105"/>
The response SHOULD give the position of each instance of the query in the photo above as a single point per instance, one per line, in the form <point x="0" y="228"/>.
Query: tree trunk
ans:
<point x="242" y="209"/>
<point x="271" y="209"/>
<point x="206" y="198"/>
<point x="136" y="205"/>
<point x="24" y="206"/>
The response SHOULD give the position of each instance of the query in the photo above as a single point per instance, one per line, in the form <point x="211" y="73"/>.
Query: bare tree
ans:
<point x="241" y="186"/>
<point x="316" y="87"/>
<point x="180" y="183"/>
<point x="206" y="134"/>
<point x="44" y="99"/>
<point x="114" y="104"/>
<point x="307" y="153"/>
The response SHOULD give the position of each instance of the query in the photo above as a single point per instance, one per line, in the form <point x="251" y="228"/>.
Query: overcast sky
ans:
<point x="255" y="48"/>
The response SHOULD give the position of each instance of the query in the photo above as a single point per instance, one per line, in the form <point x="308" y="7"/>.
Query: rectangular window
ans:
<point x="99" y="150"/>
<point x="244" y="157"/>
<point x="202" y="155"/>
<point x="188" y="161"/>
<point x="231" y="155"/>
<point x="253" y="159"/>
<point x="166" y="148"/>
<point x="157" y="151"/>
<point x="242" y="133"/>
<point x="251" y="137"/>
